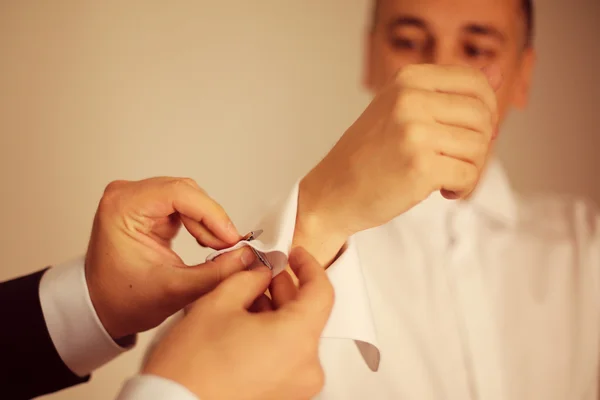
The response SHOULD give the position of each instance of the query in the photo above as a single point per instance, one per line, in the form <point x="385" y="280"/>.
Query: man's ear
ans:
<point x="524" y="79"/>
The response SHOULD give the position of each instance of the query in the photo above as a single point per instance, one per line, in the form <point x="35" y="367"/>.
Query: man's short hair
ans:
<point x="526" y="5"/>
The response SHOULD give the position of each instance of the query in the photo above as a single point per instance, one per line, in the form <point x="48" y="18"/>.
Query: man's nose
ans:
<point x="445" y="54"/>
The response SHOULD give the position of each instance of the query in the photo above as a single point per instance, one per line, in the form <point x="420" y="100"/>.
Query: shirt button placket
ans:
<point x="473" y="309"/>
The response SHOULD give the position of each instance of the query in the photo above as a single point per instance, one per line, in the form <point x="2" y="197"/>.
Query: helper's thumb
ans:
<point x="241" y="289"/>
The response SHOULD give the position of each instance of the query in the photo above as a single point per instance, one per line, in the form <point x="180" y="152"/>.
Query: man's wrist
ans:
<point x="318" y="228"/>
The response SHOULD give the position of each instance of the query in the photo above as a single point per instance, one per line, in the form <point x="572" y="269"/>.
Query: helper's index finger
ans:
<point x="195" y="204"/>
<point x="315" y="294"/>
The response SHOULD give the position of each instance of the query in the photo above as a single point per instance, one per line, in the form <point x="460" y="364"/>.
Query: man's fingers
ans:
<point x="203" y="236"/>
<point x="282" y="289"/>
<point x="494" y="75"/>
<point x="454" y="178"/>
<point x="448" y="109"/>
<point x="240" y="290"/>
<point x="448" y="79"/>
<point x="462" y="111"/>
<point x="315" y="295"/>
<point x="198" y="280"/>
<point x="462" y="144"/>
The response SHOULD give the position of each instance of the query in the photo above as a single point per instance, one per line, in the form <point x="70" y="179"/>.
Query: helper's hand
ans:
<point x="221" y="351"/>
<point x="134" y="278"/>
<point x="429" y="129"/>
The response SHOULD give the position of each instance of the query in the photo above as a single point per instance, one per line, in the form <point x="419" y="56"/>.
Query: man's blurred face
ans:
<point x="458" y="32"/>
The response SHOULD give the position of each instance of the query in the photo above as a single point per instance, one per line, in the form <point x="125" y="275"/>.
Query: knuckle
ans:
<point x="190" y="182"/>
<point x="403" y="75"/>
<point x="114" y="186"/>
<point x="408" y="74"/>
<point x="408" y="99"/>
<point x="112" y="193"/>
<point x="183" y="185"/>
<point x="411" y="105"/>
<point x="413" y="136"/>
<point x="178" y="182"/>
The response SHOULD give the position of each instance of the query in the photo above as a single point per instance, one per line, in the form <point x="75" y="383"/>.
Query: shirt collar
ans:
<point x="494" y="198"/>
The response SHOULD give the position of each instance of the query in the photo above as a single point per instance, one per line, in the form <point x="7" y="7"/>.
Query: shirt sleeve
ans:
<point x="150" y="387"/>
<point x="351" y="316"/>
<point x="74" y="327"/>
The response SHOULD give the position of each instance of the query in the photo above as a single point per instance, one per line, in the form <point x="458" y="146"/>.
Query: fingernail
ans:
<point x="450" y="195"/>
<point x="247" y="257"/>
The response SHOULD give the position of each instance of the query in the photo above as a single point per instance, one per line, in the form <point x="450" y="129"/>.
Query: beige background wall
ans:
<point x="221" y="91"/>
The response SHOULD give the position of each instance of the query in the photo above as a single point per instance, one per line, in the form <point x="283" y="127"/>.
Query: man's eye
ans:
<point x="404" y="44"/>
<point x="477" y="52"/>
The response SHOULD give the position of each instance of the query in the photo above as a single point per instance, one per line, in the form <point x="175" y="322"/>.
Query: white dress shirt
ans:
<point x="80" y="338"/>
<point x="495" y="298"/>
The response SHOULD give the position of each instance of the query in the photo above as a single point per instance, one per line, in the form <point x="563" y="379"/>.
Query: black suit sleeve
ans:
<point x="30" y="366"/>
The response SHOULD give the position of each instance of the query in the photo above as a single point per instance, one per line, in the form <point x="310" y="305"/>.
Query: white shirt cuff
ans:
<point x="74" y="327"/>
<point x="150" y="387"/>
<point x="351" y="316"/>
